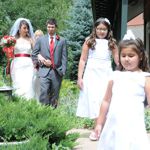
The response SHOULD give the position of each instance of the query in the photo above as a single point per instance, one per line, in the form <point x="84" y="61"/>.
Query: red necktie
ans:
<point x="52" y="51"/>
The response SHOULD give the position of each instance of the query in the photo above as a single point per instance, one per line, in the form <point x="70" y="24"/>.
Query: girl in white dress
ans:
<point x="120" y="125"/>
<point x="22" y="69"/>
<point x="95" y="58"/>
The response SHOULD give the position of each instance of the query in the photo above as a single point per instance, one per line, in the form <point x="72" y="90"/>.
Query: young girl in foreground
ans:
<point x="124" y="128"/>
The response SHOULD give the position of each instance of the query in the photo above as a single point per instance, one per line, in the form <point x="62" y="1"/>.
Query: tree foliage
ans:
<point x="38" y="11"/>
<point x="79" y="27"/>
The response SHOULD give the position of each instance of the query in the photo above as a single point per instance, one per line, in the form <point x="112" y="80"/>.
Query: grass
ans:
<point x="69" y="95"/>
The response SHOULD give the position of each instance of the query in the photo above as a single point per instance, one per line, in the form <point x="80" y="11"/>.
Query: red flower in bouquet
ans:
<point x="7" y="43"/>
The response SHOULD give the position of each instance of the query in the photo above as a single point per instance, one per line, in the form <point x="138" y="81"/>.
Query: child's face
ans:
<point x="38" y="35"/>
<point x="129" y="59"/>
<point x="101" y="31"/>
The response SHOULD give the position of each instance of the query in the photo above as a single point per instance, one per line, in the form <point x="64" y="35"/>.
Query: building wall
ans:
<point x="138" y="31"/>
<point x="137" y="26"/>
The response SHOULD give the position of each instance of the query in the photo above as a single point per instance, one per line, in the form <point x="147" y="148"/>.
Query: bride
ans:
<point x="22" y="69"/>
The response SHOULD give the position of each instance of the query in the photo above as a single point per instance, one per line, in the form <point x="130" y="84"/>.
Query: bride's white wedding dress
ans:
<point x="22" y="70"/>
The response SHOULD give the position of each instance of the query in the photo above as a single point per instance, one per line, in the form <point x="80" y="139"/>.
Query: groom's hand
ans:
<point x="41" y="59"/>
<point x="47" y="63"/>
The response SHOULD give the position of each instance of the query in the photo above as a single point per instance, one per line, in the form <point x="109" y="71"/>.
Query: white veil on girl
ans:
<point x="15" y="27"/>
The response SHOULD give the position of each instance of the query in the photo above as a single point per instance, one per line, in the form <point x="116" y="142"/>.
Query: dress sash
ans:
<point x="22" y="55"/>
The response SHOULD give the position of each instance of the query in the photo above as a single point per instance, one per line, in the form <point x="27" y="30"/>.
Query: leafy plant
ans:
<point x="35" y="143"/>
<point x="21" y="120"/>
<point x="69" y="94"/>
<point x="147" y="119"/>
<point x="68" y="97"/>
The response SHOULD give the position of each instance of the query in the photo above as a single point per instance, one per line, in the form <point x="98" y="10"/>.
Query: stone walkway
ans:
<point x="84" y="143"/>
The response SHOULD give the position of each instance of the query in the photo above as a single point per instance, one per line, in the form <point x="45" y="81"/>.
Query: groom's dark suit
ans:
<point x="50" y="78"/>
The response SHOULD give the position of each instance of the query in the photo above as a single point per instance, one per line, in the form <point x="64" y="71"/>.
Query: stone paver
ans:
<point x="84" y="142"/>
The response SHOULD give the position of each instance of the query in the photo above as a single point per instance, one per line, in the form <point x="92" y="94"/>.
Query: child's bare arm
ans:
<point x="115" y="54"/>
<point x="82" y="63"/>
<point x="104" y="109"/>
<point x="147" y="89"/>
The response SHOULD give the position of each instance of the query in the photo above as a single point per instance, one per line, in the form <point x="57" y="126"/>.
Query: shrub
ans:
<point x="21" y="120"/>
<point x="69" y="95"/>
<point x="147" y="119"/>
<point x="35" y="143"/>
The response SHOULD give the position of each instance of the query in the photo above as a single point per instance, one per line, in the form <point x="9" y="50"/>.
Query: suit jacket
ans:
<point x="60" y="54"/>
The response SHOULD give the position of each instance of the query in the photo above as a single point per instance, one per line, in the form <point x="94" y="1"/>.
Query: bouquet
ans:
<point x="7" y="43"/>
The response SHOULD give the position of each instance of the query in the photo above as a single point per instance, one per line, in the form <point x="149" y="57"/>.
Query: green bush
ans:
<point x="147" y="119"/>
<point x="69" y="95"/>
<point x="21" y="120"/>
<point x="5" y="79"/>
<point x="35" y="143"/>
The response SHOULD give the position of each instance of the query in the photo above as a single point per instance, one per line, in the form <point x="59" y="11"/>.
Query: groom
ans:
<point x="50" y="56"/>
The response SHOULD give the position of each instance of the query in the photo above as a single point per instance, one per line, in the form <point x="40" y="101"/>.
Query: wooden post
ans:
<point x="124" y="17"/>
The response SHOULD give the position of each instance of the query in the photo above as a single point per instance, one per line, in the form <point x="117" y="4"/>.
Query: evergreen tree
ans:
<point x="79" y="27"/>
